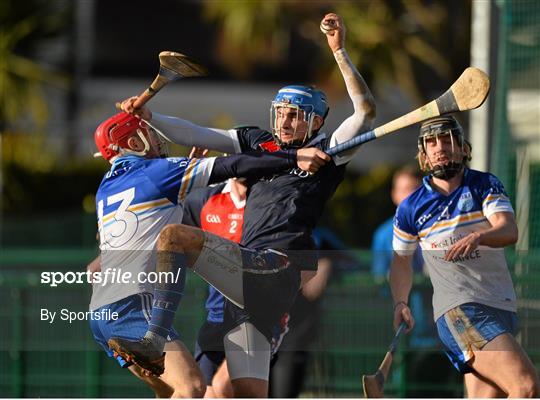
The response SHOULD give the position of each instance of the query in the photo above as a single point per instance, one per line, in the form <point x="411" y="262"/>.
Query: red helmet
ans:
<point x="112" y="134"/>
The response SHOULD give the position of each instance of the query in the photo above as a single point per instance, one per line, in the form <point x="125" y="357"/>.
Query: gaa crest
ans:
<point x="465" y="202"/>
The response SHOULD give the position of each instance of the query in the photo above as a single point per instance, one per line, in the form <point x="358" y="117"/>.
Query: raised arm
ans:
<point x="364" y="104"/>
<point x="186" y="133"/>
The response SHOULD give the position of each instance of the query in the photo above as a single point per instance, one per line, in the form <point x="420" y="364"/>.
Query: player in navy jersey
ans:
<point x="142" y="193"/>
<point x="463" y="219"/>
<point x="262" y="276"/>
<point x="220" y="210"/>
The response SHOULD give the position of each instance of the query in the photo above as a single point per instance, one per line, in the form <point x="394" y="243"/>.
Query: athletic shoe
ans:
<point x="142" y="352"/>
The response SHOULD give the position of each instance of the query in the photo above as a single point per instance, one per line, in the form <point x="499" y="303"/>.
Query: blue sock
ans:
<point x="167" y="295"/>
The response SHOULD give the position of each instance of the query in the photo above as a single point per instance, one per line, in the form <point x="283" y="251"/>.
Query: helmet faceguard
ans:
<point x="452" y="162"/>
<point x="306" y="103"/>
<point x="112" y="135"/>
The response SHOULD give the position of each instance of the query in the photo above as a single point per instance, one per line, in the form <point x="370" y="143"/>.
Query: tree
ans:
<point x="395" y="41"/>
<point x="22" y="23"/>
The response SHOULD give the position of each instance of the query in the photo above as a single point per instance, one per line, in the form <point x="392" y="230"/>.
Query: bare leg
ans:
<point x="504" y="363"/>
<point x="222" y="382"/>
<point x="182" y="239"/>
<point x="250" y="388"/>
<point x="182" y="372"/>
<point x="479" y="387"/>
<point x="181" y="246"/>
<point x="217" y="260"/>
<point x="160" y="388"/>
<point x="210" y="394"/>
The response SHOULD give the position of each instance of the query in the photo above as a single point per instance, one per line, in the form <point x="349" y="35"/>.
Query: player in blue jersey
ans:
<point x="142" y="193"/>
<point x="262" y="276"/>
<point x="404" y="181"/>
<point x="462" y="220"/>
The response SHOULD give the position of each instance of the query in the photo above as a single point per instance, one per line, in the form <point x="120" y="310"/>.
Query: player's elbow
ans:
<point x="365" y="110"/>
<point x="513" y="235"/>
<point x="358" y="126"/>
<point x="306" y="276"/>
<point x="370" y="108"/>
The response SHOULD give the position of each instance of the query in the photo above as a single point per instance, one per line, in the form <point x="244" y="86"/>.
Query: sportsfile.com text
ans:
<point x="109" y="276"/>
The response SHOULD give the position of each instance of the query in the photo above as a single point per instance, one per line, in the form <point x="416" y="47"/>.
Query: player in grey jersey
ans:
<point x="463" y="219"/>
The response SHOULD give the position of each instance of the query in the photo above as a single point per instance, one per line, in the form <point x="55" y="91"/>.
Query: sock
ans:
<point x="157" y="340"/>
<point x="167" y="295"/>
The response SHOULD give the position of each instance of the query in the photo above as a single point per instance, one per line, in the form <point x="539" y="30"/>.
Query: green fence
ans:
<point x="38" y="359"/>
<point x="516" y="148"/>
<point x="516" y="128"/>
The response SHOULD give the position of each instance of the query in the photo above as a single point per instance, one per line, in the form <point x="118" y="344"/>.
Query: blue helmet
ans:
<point x="306" y="98"/>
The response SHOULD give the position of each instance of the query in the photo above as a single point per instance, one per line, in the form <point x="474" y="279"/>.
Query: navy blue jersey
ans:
<point x="281" y="212"/>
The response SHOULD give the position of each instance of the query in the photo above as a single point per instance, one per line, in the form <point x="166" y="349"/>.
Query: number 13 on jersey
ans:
<point x="118" y="227"/>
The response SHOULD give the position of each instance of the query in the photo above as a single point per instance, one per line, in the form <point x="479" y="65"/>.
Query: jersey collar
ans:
<point x="239" y="204"/>
<point x="427" y="185"/>
<point x="123" y="161"/>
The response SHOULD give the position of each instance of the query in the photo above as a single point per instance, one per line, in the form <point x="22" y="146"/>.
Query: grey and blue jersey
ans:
<point x="437" y="222"/>
<point x="135" y="200"/>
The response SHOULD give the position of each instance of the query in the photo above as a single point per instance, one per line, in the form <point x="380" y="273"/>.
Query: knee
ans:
<point x="195" y="389"/>
<point x="222" y="388"/>
<point x="527" y="388"/>
<point x="530" y="389"/>
<point x="173" y="237"/>
<point x="199" y="389"/>
<point x="187" y="394"/>
<point x="167" y="237"/>
<point x="198" y="384"/>
<point x="218" y="391"/>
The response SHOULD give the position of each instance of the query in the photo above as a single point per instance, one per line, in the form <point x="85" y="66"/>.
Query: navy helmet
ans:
<point x="461" y="148"/>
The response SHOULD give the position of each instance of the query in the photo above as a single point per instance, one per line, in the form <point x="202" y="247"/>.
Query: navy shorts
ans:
<point x="271" y="284"/>
<point x="209" y="351"/>
<point x="134" y="313"/>
<point x="470" y="327"/>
